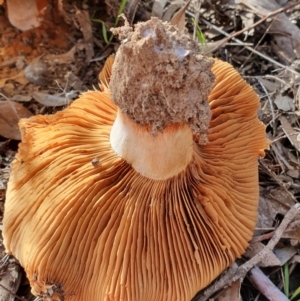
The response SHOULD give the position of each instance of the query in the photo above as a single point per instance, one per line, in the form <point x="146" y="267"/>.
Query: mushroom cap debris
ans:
<point x="86" y="226"/>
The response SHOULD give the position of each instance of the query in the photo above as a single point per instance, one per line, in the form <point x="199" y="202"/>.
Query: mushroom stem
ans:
<point x="157" y="156"/>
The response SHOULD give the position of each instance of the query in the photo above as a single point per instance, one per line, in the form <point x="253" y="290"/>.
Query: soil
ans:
<point x="165" y="84"/>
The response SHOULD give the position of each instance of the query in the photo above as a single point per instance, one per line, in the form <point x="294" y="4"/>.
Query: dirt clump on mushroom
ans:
<point x="160" y="77"/>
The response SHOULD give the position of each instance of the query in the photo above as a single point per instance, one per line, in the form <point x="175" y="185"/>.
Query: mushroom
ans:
<point x="146" y="190"/>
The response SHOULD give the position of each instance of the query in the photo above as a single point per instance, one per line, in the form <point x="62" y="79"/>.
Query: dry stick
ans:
<point x="263" y="19"/>
<point x="265" y="285"/>
<point x="234" y="274"/>
<point x="241" y="43"/>
<point x="292" y="226"/>
<point x="262" y="237"/>
<point x="257" y="44"/>
<point x="250" y="48"/>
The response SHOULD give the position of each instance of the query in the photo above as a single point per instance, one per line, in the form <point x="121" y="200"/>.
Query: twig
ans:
<point x="263" y="19"/>
<point x="265" y="285"/>
<point x="262" y="237"/>
<point x="290" y="6"/>
<point x="241" y="43"/>
<point x="234" y="274"/>
<point x="292" y="227"/>
<point x="257" y="44"/>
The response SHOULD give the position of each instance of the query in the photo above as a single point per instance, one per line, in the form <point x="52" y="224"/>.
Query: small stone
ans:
<point x="95" y="162"/>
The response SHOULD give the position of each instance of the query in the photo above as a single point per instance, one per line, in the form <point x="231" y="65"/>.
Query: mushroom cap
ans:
<point x="83" y="223"/>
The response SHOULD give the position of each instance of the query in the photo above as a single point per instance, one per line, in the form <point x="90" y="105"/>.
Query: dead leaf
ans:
<point x="269" y="207"/>
<point x="284" y="103"/>
<point x="294" y="173"/>
<point x="284" y="254"/>
<point x="285" y="33"/>
<point x="171" y="10"/>
<point x="36" y="73"/>
<point x="290" y="132"/>
<point x="74" y="81"/>
<point x="293" y="231"/>
<point x="9" y="62"/>
<point x="179" y="18"/>
<point x="55" y="100"/>
<point x="8" y="89"/>
<point x="271" y="86"/>
<point x="269" y="260"/>
<point x="211" y="47"/>
<point x="10" y="114"/>
<point x="158" y="8"/>
<point x="10" y="279"/>
<point x="295" y="259"/>
<point x="19" y="77"/>
<point x="248" y="21"/>
<point x="64" y="58"/>
<point x="21" y="98"/>
<point x="86" y="29"/>
<point x="231" y="293"/>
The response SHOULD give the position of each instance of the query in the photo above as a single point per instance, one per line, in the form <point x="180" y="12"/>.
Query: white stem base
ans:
<point x="160" y="156"/>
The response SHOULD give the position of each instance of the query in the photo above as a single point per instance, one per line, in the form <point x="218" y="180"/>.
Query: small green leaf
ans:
<point x="286" y="280"/>
<point x="296" y="293"/>
<point x="104" y="30"/>
<point x="120" y="11"/>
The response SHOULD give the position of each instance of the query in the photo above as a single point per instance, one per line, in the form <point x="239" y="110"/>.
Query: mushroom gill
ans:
<point x="138" y="200"/>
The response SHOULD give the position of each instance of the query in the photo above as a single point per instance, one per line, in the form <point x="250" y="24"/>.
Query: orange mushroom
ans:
<point x="149" y="197"/>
